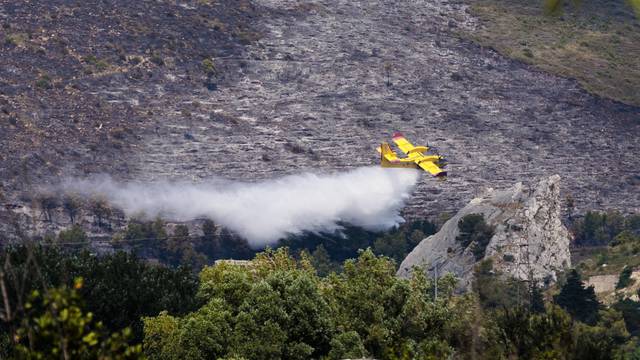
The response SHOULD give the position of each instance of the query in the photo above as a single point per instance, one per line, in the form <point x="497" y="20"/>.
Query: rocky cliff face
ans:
<point x="528" y="238"/>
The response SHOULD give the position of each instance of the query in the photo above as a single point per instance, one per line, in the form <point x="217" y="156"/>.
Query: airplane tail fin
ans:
<point x="386" y="154"/>
<point x="385" y="149"/>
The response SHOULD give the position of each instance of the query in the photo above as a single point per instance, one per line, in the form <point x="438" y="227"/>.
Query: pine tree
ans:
<point x="321" y="260"/>
<point x="536" y="300"/>
<point x="625" y="278"/>
<point x="578" y="300"/>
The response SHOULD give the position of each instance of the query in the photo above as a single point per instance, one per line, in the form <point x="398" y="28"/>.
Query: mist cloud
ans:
<point x="263" y="212"/>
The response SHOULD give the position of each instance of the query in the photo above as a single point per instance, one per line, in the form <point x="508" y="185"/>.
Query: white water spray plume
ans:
<point x="264" y="212"/>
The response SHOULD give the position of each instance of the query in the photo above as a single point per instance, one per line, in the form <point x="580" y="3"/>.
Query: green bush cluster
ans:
<point x="277" y="307"/>
<point x="601" y="228"/>
<point x="329" y="250"/>
<point x="117" y="289"/>
<point x="620" y="234"/>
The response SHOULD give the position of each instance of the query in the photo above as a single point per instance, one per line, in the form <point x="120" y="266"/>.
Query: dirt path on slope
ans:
<point x="312" y="94"/>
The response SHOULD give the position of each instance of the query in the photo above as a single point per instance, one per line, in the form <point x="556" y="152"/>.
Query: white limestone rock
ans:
<point x="529" y="236"/>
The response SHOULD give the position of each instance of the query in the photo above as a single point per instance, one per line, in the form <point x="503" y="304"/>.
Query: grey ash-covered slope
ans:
<point x="77" y="78"/>
<point x="312" y="93"/>
<point x="529" y="238"/>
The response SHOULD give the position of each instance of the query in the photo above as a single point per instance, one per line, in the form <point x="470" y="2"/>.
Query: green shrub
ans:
<point x="44" y="82"/>
<point x="209" y="67"/>
<point x="90" y="59"/>
<point x="73" y="236"/>
<point x="625" y="278"/>
<point x="157" y="59"/>
<point x="598" y="228"/>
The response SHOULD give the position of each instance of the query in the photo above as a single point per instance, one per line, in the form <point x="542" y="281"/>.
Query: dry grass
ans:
<point x="598" y="45"/>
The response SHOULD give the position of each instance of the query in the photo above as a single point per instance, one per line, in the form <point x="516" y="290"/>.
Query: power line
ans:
<point x="126" y="241"/>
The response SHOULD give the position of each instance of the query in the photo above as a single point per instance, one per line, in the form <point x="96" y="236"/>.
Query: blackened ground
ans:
<point x="297" y="86"/>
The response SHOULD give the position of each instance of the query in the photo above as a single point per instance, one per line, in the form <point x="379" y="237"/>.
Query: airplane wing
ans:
<point x="402" y="143"/>
<point x="432" y="168"/>
<point x="406" y="146"/>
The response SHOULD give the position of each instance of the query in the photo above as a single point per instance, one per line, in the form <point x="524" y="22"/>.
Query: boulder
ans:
<point x="529" y="239"/>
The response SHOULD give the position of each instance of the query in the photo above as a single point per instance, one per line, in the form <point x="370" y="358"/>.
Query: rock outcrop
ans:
<point x="529" y="238"/>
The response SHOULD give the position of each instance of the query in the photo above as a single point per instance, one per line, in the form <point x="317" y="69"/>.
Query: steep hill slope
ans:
<point x="296" y="85"/>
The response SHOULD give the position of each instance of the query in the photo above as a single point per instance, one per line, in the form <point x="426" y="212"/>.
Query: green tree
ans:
<point x="208" y="67"/>
<point x="233" y="246"/>
<point x="55" y="325"/>
<point x="578" y="300"/>
<point x="347" y="345"/>
<point x="597" y="228"/>
<point x="393" y="245"/>
<point x="210" y="242"/>
<point x="536" y="299"/>
<point x="178" y="249"/>
<point x="118" y="289"/>
<point x="602" y="340"/>
<point x="547" y="335"/>
<point x="630" y="311"/>
<point x="495" y="290"/>
<point x="363" y="299"/>
<point x="145" y="238"/>
<point x="321" y="261"/>
<point x="271" y="308"/>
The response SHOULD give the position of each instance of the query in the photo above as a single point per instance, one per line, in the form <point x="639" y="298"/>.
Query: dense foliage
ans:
<point x="295" y="304"/>
<point x="278" y="307"/>
<point x="601" y="228"/>
<point x="625" y="278"/>
<point x="329" y="250"/>
<point x="150" y="240"/>
<point x="117" y="289"/>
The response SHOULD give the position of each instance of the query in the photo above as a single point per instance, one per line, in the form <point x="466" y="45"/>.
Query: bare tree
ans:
<point x="100" y="209"/>
<point x="387" y="70"/>
<point x="47" y="202"/>
<point x="72" y="205"/>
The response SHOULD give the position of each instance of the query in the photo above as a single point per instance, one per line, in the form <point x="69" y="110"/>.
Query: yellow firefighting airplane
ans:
<point x="415" y="159"/>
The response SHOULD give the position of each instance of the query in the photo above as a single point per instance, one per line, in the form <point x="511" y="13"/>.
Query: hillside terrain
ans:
<point x="594" y="42"/>
<point x="254" y="89"/>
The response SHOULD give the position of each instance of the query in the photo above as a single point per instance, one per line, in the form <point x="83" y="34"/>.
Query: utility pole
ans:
<point x="436" y="283"/>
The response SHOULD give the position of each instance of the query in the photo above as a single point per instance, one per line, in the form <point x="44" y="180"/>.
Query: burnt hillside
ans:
<point x="255" y="89"/>
<point x="66" y="67"/>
